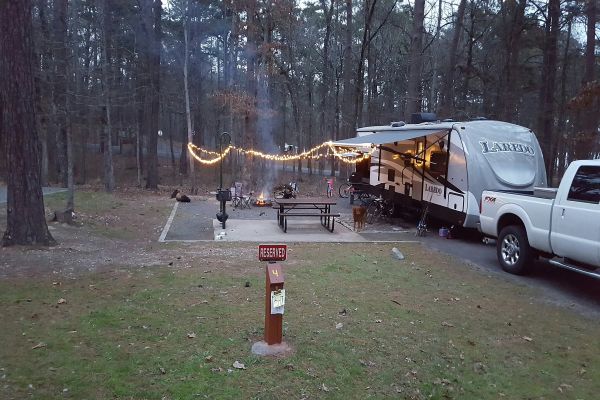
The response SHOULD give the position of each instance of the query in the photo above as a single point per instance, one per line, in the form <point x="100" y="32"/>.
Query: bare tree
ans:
<point x="413" y="96"/>
<point x="26" y="223"/>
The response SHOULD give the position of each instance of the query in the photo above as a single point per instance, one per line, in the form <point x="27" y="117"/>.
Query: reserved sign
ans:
<point x="272" y="252"/>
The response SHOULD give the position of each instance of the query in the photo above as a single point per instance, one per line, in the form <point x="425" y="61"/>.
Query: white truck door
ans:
<point x="576" y="218"/>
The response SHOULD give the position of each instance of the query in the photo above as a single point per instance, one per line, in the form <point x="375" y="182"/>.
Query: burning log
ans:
<point x="261" y="201"/>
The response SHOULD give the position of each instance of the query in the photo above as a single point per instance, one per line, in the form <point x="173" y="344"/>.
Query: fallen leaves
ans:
<point x="479" y="368"/>
<point x="238" y="365"/>
<point x="366" y="363"/>
<point x="564" y="387"/>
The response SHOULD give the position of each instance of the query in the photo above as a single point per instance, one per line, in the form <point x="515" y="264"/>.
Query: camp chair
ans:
<point x="239" y="199"/>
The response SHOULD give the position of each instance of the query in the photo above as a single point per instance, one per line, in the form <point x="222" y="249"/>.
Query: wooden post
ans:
<point x="273" y="322"/>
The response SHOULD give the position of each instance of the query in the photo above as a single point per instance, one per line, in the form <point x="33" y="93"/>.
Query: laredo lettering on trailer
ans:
<point x="506" y="147"/>
<point x="272" y="252"/>
<point x="433" y="189"/>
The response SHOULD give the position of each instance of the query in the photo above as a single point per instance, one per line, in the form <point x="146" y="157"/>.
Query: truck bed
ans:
<point x="534" y="211"/>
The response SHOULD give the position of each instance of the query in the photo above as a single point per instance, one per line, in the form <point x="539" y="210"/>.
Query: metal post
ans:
<point x="222" y="214"/>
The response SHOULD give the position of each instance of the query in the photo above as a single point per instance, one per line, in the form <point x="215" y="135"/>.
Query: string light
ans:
<point x="307" y="154"/>
<point x="192" y="149"/>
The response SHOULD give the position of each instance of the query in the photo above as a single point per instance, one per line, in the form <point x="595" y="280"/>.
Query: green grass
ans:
<point x="119" y="329"/>
<point x="85" y="201"/>
<point x="110" y="215"/>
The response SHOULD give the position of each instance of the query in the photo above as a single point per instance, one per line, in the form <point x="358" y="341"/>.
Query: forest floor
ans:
<point x="110" y="312"/>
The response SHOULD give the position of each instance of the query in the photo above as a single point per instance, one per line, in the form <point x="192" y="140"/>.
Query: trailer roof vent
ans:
<point x="398" y="124"/>
<point x="478" y="119"/>
<point x="418" y="118"/>
<point x="448" y="120"/>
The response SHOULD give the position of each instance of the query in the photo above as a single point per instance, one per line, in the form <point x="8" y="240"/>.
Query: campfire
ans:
<point x="262" y="201"/>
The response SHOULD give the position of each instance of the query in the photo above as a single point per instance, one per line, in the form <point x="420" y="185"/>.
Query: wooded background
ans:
<point x="115" y="72"/>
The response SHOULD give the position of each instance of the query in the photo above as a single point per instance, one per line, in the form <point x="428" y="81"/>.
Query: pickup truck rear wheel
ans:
<point x="513" y="250"/>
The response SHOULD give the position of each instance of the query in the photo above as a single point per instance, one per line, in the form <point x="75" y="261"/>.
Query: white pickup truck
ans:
<point x="561" y="224"/>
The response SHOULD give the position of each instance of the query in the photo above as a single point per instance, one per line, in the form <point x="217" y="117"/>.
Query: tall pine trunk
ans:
<point x="60" y="86"/>
<point x="186" y="56"/>
<point x="151" y="11"/>
<point x="25" y="218"/>
<point x="413" y="96"/>
<point x="447" y="91"/>
<point x="546" y="119"/>
<point x="347" y="128"/>
<point x="109" y="179"/>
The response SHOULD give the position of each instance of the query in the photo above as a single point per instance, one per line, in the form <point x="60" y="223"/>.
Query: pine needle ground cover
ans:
<point x="363" y="325"/>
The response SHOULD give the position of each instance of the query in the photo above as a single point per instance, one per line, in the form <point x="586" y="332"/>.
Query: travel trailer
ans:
<point x="448" y="164"/>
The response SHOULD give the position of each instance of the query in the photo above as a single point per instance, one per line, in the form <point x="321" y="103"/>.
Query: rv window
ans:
<point x="586" y="185"/>
<point x="437" y="161"/>
<point x="391" y="175"/>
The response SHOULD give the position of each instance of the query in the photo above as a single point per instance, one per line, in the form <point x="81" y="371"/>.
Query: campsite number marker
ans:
<point x="274" y="291"/>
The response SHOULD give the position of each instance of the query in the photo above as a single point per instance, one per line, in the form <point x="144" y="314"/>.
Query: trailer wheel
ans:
<point x="514" y="253"/>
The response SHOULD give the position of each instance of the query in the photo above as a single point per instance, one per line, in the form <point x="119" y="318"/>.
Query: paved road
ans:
<point x="46" y="191"/>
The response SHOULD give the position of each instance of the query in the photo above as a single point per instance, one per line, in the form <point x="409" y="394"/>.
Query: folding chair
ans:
<point x="240" y="200"/>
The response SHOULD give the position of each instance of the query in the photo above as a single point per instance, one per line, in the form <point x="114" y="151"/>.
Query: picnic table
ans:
<point x="305" y="207"/>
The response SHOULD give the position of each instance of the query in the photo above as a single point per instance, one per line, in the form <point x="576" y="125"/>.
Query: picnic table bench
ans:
<point x="321" y="208"/>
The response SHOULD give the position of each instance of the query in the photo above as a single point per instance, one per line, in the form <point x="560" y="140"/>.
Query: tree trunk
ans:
<point x="546" y="120"/>
<point x="369" y="11"/>
<point x="348" y="126"/>
<point x="447" y="95"/>
<point x="508" y="91"/>
<point x="588" y="125"/>
<point x="413" y="96"/>
<point x="559" y="145"/>
<point x="325" y="107"/>
<point x="109" y="179"/>
<point x="25" y="218"/>
<point x="186" y="57"/>
<point x="151" y="27"/>
<point x="60" y="85"/>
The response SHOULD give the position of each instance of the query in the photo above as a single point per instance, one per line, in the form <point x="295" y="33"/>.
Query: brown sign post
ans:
<point x="273" y="320"/>
<point x="274" y="300"/>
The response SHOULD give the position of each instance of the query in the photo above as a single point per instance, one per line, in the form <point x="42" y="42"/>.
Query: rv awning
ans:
<point x="377" y="138"/>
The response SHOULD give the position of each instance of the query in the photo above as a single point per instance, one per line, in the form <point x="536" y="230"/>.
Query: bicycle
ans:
<point x="329" y="190"/>
<point x="348" y="189"/>
<point x="287" y="191"/>
<point x="378" y="207"/>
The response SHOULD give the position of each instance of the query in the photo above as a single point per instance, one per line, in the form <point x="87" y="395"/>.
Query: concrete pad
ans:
<point x="263" y="349"/>
<point x="299" y="230"/>
<point x="188" y="222"/>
